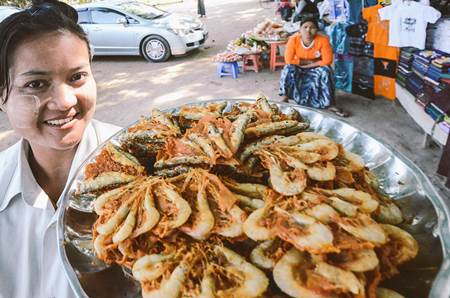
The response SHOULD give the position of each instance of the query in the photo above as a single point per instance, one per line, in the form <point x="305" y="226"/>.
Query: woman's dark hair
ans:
<point x="306" y="19"/>
<point x="41" y="18"/>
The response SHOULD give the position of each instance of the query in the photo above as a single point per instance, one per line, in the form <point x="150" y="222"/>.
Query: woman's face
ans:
<point x="53" y="92"/>
<point x="308" y="31"/>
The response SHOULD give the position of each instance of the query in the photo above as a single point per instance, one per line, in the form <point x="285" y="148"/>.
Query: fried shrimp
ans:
<point x="304" y="232"/>
<point x="340" y="279"/>
<point x="260" y="258"/>
<point x="303" y="160"/>
<point x="203" y="222"/>
<point x="318" y="172"/>
<point x="267" y="253"/>
<point x="233" y="227"/>
<point x="343" y="207"/>
<point x="287" y="274"/>
<point x="254" y="282"/>
<point x="361" y="260"/>
<point x="103" y="199"/>
<point x="326" y="148"/>
<point x="322" y="212"/>
<point x="284" y="182"/>
<point x="403" y="246"/>
<point x="363" y="227"/>
<point x="126" y="229"/>
<point x="175" y="209"/>
<point x="363" y="200"/>
<point x="148" y="214"/>
<point x="171" y="287"/>
<point x="100" y="246"/>
<point x="150" y="267"/>
<point x="207" y="286"/>
<point x="254" y="225"/>
<point x="349" y="161"/>
<point x="111" y="225"/>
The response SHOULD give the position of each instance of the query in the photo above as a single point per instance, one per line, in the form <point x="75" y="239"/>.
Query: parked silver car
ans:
<point x="136" y="28"/>
<point x="6" y="11"/>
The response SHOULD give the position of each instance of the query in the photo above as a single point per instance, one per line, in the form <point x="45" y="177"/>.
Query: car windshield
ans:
<point x="142" y="10"/>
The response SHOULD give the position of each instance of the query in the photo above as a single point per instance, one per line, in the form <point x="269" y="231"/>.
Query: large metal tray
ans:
<point x="427" y="219"/>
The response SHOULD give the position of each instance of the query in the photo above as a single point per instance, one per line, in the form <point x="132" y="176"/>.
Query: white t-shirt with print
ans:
<point x="408" y="23"/>
<point x="423" y="2"/>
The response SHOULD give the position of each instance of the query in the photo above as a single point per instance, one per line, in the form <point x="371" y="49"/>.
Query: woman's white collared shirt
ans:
<point x="30" y="265"/>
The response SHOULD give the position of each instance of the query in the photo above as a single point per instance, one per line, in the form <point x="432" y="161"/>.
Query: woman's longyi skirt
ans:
<point x="312" y="87"/>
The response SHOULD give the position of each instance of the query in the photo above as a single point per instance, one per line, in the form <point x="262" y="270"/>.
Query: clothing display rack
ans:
<point x="428" y="125"/>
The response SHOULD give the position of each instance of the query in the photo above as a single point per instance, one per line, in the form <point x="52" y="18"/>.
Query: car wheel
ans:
<point x="155" y="49"/>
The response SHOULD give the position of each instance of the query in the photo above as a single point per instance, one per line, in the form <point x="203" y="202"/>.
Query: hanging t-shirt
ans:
<point x="355" y="7"/>
<point x="378" y="30"/>
<point x="343" y="72"/>
<point x="339" y="10"/>
<point x="385" y="67"/>
<point x="364" y="66"/>
<point x="384" y="86"/>
<point x="338" y="37"/>
<point x="408" y="23"/>
<point x="356" y="33"/>
<point x="423" y="2"/>
<point x="386" y="52"/>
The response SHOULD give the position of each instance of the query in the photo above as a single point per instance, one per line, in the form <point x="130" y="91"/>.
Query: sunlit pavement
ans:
<point x="129" y="86"/>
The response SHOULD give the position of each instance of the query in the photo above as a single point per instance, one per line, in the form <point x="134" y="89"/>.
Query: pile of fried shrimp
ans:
<point x="242" y="202"/>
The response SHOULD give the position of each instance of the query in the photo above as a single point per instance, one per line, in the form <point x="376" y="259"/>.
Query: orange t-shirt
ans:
<point x="320" y="50"/>
<point x="386" y="52"/>
<point x="378" y="30"/>
<point x="384" y="86"/>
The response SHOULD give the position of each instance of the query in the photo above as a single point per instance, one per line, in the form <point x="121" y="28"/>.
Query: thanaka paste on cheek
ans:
<point x="23" y="111"/>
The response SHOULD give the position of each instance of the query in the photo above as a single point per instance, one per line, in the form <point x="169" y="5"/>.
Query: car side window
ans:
<point x="105" y="16"/>
<point x="83" y="16"/>
<point x="132" y="21"/>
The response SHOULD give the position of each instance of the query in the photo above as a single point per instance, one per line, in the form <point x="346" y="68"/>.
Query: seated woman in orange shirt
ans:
<point x="307" y="77"/>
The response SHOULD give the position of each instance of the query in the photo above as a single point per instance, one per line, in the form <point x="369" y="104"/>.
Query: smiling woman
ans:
<point x="48" y="92"/>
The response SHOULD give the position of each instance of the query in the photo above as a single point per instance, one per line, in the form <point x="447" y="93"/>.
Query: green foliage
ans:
<point x="19" y="3"/>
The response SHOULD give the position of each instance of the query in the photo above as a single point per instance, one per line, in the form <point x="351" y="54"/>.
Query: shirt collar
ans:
<point x="23" y="182"/>
<point x="32" y="193"/>
<point x="307" y="47"/>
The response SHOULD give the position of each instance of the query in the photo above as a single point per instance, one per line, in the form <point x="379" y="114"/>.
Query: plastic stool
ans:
<point x="228" y="69"/>
<point x="255" y="62"/>
<point x="276" y="60"/>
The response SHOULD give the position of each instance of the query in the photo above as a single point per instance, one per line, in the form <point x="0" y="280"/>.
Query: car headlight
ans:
<point x="182" y="31"/>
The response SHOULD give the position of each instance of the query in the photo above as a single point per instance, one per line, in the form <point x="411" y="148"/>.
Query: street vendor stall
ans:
<point x="262" y="44"/>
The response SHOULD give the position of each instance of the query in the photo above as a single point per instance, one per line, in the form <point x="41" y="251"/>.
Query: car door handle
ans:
<point x="96" y="29"/>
